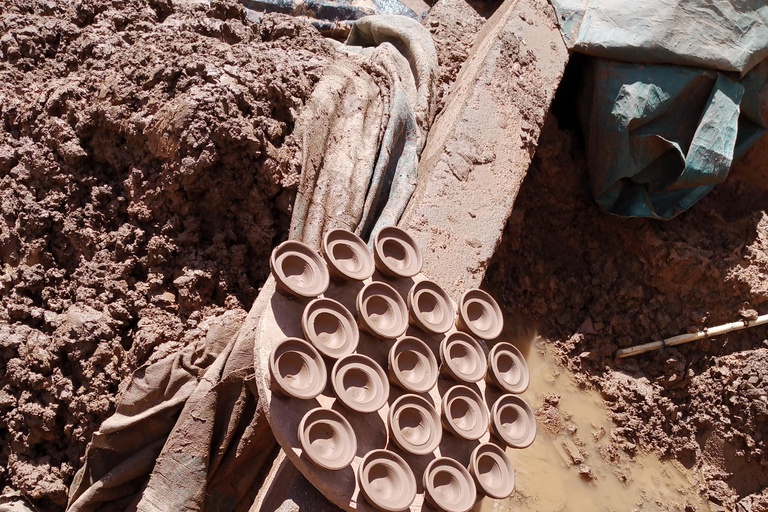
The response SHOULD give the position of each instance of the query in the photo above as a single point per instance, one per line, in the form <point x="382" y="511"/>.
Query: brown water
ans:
<point x="548" y="481"/>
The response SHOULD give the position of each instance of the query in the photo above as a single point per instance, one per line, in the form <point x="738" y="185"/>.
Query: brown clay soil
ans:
<point x="139" y="200"/>
<point x="596" y="283"/>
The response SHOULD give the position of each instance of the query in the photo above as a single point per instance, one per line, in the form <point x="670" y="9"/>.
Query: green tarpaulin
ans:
<point x="671" y="99"/>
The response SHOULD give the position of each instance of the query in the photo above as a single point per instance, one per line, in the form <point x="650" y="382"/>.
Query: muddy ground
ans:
<point x="595" y="283"/>
<point x="141" y="192"/>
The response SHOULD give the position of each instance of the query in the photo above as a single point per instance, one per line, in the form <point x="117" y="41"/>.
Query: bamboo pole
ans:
<point x="693" y="336"/>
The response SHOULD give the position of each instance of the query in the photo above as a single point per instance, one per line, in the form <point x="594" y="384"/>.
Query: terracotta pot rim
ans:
<point x="416" y="345"/>
<point x="374" y="372"/>
<point x="340" y="312"/>
<point x="357" y="245"/>
<point x="409" y="246"/>
<point x="432" y="420"/>
<point x="321" y="277"/>
<point x="491" y="307"/>
<point x="523" y="410"/>
<point x="444" y="302"/>
<point x="481" y="361"/>
<point x="465" y="394"/>
<point x="395" y="301"/>
<point x="497" y="454"/>
<point x="310" y="356"/>
<point x="460" y="473"/>
<point x="395" y="462"/>
<point x="500" y="350"/>
<point x="346" y="435"/>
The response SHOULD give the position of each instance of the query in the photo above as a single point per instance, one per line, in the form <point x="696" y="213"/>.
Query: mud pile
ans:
<point x="596" y="283"/>
<point x="140" y="195"/>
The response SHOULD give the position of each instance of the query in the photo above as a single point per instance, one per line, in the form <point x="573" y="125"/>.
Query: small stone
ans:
<point x="753" y="380"/>
<point x="573" y="451"/>
<point x="586" y="472"/>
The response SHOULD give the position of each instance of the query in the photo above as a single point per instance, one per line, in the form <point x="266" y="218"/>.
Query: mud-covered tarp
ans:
<point x="189" y="432"/>
<point x="672" y="98"/>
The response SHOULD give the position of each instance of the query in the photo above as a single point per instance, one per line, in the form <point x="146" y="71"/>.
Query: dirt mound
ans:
<point x="140" y="195"/>
<point x="597" y="283"/>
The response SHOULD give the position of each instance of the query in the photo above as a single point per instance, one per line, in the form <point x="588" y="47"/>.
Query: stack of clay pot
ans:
<point x="416" y="421"/>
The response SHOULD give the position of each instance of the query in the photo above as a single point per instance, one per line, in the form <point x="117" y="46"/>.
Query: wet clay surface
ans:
<point x="141" y="191"/>
<point x="596" y="283"/>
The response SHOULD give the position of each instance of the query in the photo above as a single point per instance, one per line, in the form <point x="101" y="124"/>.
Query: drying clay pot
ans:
<point x="330" y="327"/>
<point x="513" y="422"/>
<point x="449" y="486"/>
<point x="507" y="368"/>
<point x="462" y="358"/>
<point x="360" y="383"/>
<point x="299" y="270"/>
<point x="347" y="255"/>
<point x="464" y="413"/>
<point x="382" y="311"/>
<point x="430" y="308"/>
<point x="327" y="438"/>
<point x="493" y="471"/>
<point x="415" y="425"/>
<point x="297" y="369"/>
<point x="396" y="253"/>
<point x="480" y="315"/>
<point x="386" y="481"/>
<point x="412" y="365"/>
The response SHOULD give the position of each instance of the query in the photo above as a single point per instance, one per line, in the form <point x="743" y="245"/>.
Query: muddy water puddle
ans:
<point x="548" y="479"/>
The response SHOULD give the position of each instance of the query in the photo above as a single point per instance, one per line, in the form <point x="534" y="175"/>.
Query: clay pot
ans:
<point x="396" y="253"/>
<point x="513" y="422"/>
<point x="299" y="270"/>
<point x="347" y="255"/>
<point x="507" y="369"/>
<point x="493" y="471"/>
<point x="449" y="486"/>
<point x="464" y="413"/>
<point x="386" y="481"/>
<point x="327" y="438"/>
<point x="360" y="383"/>
<point x="415" y="425"/>
<point x="462" y="357"/>
<point x="382" y="311"/>
<point x="479" y="315"/>
<point x="412" y="365"/>
<point x="330" y="327"/>
<point x="297" y="369"/>
<point x="430" y="308"/>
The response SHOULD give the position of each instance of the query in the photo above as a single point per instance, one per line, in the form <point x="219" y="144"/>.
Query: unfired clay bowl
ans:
<point x="449" y="486"/>
<point x="507" y="368"/>
<point x="360" y="383"/>
<point x="382" y="311"/>
<point x="347" y="255"/>
<point x="430" y="308"/>
<point x="492" y="471"/>
<point x="480" y="315"/>
<point x="412" y="365"/>
<point x="415" y="424"/>
<point x="513" y="422"/>
<point x="396" y="253"/>
<point x="330" y="327"/>
<point x="464" y="413"/>
<point x="327" y="438"/>
<point x="386" y="481"/>
<point x="299" y="270"/>
<point x="462" y="357"/>
<point x="297" y="369"/>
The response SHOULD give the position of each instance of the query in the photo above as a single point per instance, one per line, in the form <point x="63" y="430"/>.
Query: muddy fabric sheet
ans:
<point x="672" y="98"/>
<point x="189" y="432"/>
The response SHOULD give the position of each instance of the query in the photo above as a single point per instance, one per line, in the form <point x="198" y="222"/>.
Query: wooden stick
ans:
<point x="685" y="338"/>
